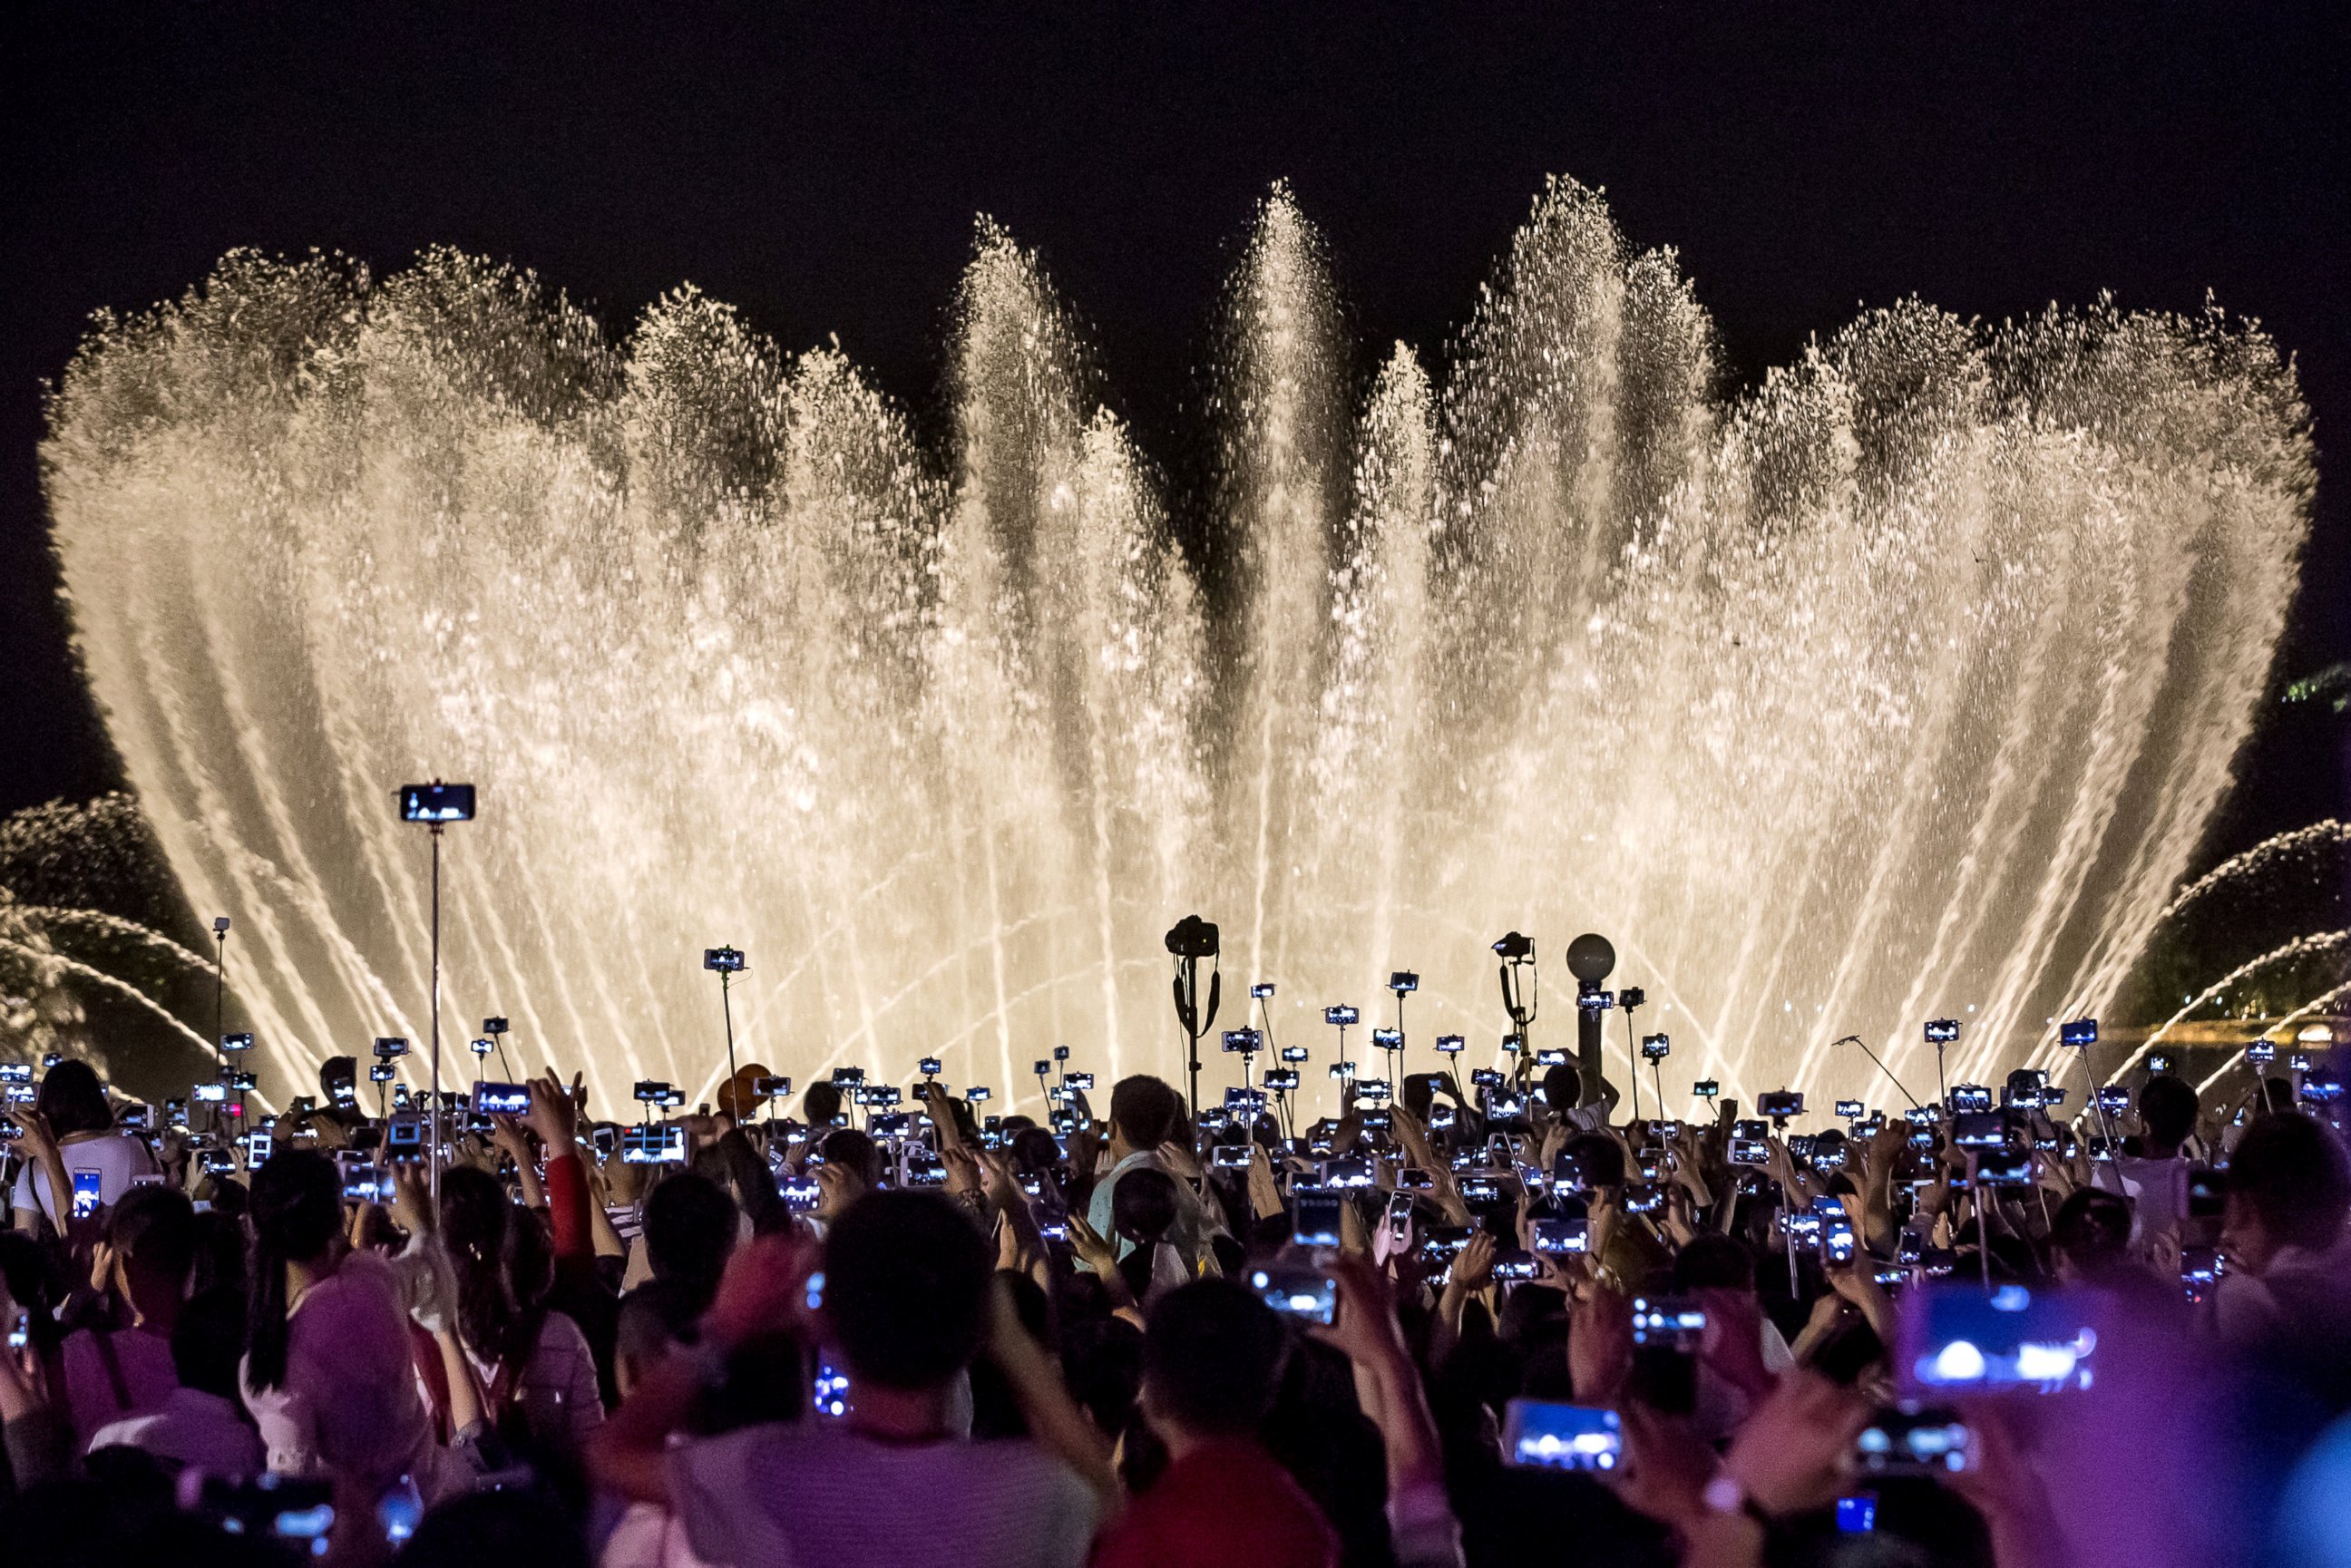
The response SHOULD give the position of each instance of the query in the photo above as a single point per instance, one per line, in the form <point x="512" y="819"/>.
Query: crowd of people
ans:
<point x="1499" y="1326"/>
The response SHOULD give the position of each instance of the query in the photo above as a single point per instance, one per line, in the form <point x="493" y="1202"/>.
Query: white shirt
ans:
<point x="191" y="1428"/>
<point x="798" y="1494"/>
<point x="115" y="1157"/>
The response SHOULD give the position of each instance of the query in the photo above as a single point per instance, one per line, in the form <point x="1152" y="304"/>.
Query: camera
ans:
<point x="233" y="1042"/>
<point x="1706" y="1089"/>
<point x="1656" y="1047"/>
<point x="1342" y="1016"/>
<point x="1262" y="989"/>
<point x="1514" y="948"/>
<point x="1780" y="1104"/>
<point x="1632" y="997"/>
<point x="1192" y="938"/>
<point x="1245" y="1042"/>
<point x="1851" y="1110"/>
<point x="436" y="802"/>
<point x="726" y="960"/>
<point x="1942" y="1031"/>
<point x="493" y="1026"/>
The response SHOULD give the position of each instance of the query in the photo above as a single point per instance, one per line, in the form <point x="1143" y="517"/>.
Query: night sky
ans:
<point x="821" y="166"/>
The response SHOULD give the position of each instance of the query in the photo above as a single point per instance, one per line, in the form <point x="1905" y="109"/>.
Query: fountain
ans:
<point x="1900" y="686"/>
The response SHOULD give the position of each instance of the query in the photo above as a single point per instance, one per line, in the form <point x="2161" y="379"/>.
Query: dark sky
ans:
<point x="821" y="164"/>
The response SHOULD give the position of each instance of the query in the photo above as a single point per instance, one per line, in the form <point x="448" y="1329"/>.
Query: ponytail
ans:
<point x="297" y="1212"/>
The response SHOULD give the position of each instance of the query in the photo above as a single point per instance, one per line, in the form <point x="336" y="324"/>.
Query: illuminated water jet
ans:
<point x="1903" y="685"/>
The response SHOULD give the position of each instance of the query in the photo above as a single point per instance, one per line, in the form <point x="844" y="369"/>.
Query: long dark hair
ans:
<point x="297" y="1212"/>
<point x="483" y="1235"/>
<point x="72" y="1101"/>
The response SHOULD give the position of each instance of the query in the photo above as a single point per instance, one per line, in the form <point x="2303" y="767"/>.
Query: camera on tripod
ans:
<point x="1193" y="937"/>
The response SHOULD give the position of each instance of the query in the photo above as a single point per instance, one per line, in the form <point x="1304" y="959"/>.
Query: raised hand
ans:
<point x="554" y="1114"/>
<point x="765" y="1290"/>
<point x="1795" y="1451"/>
<point x="1092" y="1247"/>
<point x="1599" y="1344"/>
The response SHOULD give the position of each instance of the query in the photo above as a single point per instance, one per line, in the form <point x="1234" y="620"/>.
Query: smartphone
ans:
<point x="800" y="1193"/>
<point x="1307" y="1294"/>
<point x="1675" y="1321"/>
<point x="1955" y="1337"/>
<point x="1412" y="1178"/>
<point x="1968" y="1097"/>
<point x="501" y="1099"/>
<point x="1837" y="1242"/>
<point x="1440" y="1243"/>
<point x="1750" y="1152"/>
<point x="85" y="1186"/>
<point x="2208" y="1191"/>
<point x="1514" y="1267"/>
<point x="1851" y="1110"/>
<point x="1562" y="1236"/>
<point x="1913" y="1441"/>
<point x="258" y="1146"/>
<point x="436" y="802"/>
<point x="1979" y="1129"/>
<point x="1315" y="1218"/>
<point x="1780" y="1105"/>
<point x="1348" y="1173"/>
<point x="1230" y="1156"/>
<point x="365" y="1184"/>
<point x="652" y="1144"/>
<point x="2004" y="1167"/>
<point x="211" y="1094"/>
<point x="1656" y="1047"/>
<point x="1539" y="1434"/>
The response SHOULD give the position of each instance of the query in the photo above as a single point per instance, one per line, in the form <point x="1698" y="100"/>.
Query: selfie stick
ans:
<point x="435" y="1156"/>
<point x="220" y="983"/>
<point x="1633" y="1048"/>
<point x="727" y="1006"/>
<point x="1856" y="1040"/>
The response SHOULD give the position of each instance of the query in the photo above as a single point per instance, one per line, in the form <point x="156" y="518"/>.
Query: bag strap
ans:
<point x="113" y="1365"/>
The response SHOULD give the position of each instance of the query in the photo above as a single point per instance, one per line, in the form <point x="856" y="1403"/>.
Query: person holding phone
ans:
<point x="70" y="1133"/>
